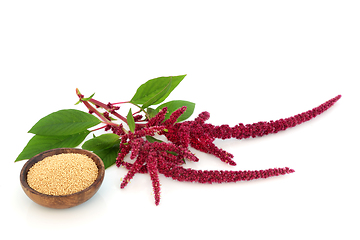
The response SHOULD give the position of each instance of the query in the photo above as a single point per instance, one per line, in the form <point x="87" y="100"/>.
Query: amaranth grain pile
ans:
<point x="62" y="174"/>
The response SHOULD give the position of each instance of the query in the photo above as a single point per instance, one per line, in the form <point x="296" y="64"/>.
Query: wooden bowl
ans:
<point x="63" y="201"/>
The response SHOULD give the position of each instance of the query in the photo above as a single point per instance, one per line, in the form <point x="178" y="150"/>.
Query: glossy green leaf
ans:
<point x="38" y="144"/>
<point x="157" y="96"/>
<point x="175" y="82"/>
<point x="109" y="155"/>
<point x="130" y="121"/>
<point x="156" y="90"/>
<point x="101" y="142"/>
<point x="64" y="122"/>
<point x="176" y="104"/>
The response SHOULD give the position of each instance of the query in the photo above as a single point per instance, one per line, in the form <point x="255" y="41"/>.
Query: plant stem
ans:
<point x="91" y="108"/>
<point x="120" y="103"/>
<point x="98" y="103"/>
<point x="98" y="128"/>
<point x="141" y="109"/>
<point x="104" y="106"/>
<point x="120" y="117"/>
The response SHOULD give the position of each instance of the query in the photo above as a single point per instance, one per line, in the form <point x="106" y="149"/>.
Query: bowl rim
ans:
<point x="39" y="157"/>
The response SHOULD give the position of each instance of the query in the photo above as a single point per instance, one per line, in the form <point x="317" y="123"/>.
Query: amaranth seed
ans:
<point x="62" y="174"/>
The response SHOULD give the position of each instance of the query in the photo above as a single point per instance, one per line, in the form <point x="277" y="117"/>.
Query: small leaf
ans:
<point x="38" y="144"/>
<point x="172" y="153"/>
<point x="101" y="142"/>
<point x="152" y="139"/>
<point x="151" y="112"/>
<point x="176" y="104"/>
<point x="131" y="121"/>
<point x="64" y="122"/>
<point x="109" y="155"/>
<point x="84" y="99"/>
<point x="156" y="87"/>
<point x="88" y="98"/>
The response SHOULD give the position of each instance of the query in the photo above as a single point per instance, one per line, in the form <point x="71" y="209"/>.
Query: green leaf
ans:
<point x="131" y="121"/>
<point x="176" y="104"/>
<point x="106" y="146"/>
<point x="108" y="155"/>
<point x="151" y="112"/>
<point x="156" y="90"/>
<point x="101" y="142"/>
<point x="64" y="122"/>
<point x="172" y="153"/>
<point x="157" y="96"/>
<point x="88" y="98"/>
<point x="83" y="99"/>
<point x="151" y="139"/>
<point x="38" y="144"/>
<point x="175" y="82"/>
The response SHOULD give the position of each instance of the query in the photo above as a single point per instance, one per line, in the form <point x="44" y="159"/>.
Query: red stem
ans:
<point x="120" y="117"/>
<point x="98" y="128"/>
<point x="91" y="108"/>
<point x="120" y="103"/>
<point x="100" y="104"/>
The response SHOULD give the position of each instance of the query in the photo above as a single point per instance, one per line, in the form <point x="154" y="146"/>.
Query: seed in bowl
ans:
<point x="62" y="174"/>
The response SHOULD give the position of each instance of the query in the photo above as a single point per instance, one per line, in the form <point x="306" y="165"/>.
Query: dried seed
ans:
<point x="62" y="174"/>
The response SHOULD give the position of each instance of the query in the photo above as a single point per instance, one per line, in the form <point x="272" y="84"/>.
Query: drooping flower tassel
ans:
<point x="217" y="176"/>
<point x="167" y="157"/>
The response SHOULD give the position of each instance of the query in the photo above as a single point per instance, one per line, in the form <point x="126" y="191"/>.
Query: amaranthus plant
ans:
<point x="136" y="134"/>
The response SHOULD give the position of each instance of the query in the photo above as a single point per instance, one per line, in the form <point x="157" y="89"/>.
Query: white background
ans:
<point x="246" y="61"/>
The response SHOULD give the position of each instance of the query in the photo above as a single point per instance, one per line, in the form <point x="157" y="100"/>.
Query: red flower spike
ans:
<point x="137" y="118"/>
<point x="209" y="176"/>
<point x="151" y="161"/>
<point x="221" y="154"/>
<point x="167" y="157"/>
<point x="174" y="116"/>
<point x="118" y="130"/>
<point x="139" y="162"/>
<point x="171" y="157"/>
<point x="150" y="131"/>
<point x="120" y="159"/>
<point x="263" y="128"/>
<point x="157" y="120"/>
<point x="184" y="134"/>
<point x="136" y="144"/>
<point x="124" y="150"/>
<point x="202" y="117"/>
<point x="170" y="147"/>
<point x="128" y="166"/>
